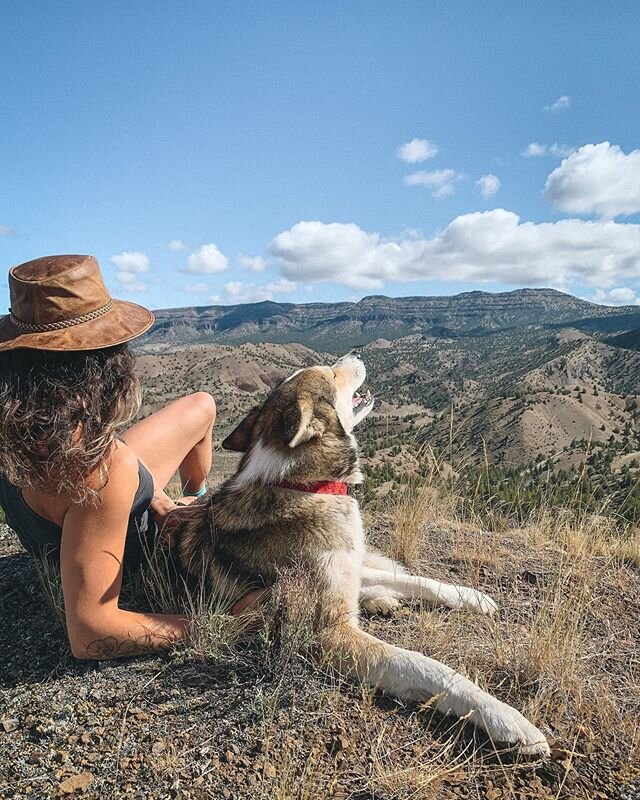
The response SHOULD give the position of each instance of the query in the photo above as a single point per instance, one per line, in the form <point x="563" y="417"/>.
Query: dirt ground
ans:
<point x="265" y="723"/>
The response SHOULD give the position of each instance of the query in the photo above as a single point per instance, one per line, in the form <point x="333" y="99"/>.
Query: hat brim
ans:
<point x="122" y="323"/>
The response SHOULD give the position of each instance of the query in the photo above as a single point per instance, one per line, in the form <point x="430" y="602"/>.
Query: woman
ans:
<point x="74" y="480"/>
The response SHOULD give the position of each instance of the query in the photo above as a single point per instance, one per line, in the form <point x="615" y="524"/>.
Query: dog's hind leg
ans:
<point x="384" y="583"/>
<point x="412" y="676"/>
<point x="377" y="593"/>
<point x="379" y="598"/>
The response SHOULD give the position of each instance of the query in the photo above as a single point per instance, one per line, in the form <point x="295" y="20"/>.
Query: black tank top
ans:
<point x="41" y="536"/>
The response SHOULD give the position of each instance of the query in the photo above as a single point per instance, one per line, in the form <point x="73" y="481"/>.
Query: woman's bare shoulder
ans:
<point x="122" y="472"/>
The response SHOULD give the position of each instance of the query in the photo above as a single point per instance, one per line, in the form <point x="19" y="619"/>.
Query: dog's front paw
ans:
<point x="385" y="605"/>
<point x="506" y="725"/>
<point x="478" y="601"/>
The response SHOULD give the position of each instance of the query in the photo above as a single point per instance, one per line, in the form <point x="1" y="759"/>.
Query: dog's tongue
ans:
<point x="355" y="399"/>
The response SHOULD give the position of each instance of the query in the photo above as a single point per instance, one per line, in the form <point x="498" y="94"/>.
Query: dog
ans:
<point x="288" y="503"/>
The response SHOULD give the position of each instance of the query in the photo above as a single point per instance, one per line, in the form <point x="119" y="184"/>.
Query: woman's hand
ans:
<point x="161" y="505"/>
<point x="169" y="523"/>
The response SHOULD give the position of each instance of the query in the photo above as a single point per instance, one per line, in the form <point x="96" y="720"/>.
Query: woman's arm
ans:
<point x="91" y="561"/>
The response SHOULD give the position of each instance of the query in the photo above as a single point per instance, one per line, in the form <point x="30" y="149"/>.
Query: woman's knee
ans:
<point x="203" y="406"/>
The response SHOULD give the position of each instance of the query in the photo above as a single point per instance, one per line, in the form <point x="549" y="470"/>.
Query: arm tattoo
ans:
<point x="112" y="647"/>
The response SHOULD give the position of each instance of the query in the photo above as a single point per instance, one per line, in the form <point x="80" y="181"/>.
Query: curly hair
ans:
<point x="60" y="413"/>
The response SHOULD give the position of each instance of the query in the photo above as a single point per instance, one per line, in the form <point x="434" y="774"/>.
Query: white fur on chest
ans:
<point x="342" y="568"/>
<point x="264" y="465"/>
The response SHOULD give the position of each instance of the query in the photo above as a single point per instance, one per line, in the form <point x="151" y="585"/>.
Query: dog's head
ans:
<point x="303" y="430"/>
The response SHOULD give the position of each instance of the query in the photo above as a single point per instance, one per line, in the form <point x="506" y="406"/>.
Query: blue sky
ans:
<point x="263" y="140"/>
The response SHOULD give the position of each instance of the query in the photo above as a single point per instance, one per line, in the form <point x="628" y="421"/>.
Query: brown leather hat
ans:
<point x="61" y="303"/>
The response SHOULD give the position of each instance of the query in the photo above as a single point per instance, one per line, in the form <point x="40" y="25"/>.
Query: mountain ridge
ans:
<point x="334" y="326"/>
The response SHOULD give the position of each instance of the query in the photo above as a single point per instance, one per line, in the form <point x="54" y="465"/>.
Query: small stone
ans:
<point x="10" y="724"/>
<point x="158" y="747"/>
<point x="270" y="771"/>
<point x="228" y="757"/>
<point x="75" y="783"/>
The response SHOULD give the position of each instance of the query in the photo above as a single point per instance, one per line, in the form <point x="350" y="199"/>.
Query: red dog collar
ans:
<point x="321" y="487"/>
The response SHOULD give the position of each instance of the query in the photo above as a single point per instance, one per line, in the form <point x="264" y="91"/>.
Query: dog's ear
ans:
<point x="240" y="438"/>
<point x="299" y="423"/>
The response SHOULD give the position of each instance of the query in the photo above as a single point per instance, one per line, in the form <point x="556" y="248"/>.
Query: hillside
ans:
<point x="258" y="716"/>
<point x="532" y="377"/>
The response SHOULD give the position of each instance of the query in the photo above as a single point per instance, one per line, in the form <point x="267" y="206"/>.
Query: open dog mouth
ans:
<point x="360" y="402"/>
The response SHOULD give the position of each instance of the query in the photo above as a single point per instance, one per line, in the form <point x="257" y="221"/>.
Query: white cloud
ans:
<point x="535" y="149"/>
<point x="131" y="282"/>
<point x="240" y="292"/>
<point x="483" y="246"/>
<point x="597" y="179"/>
<point x="131" y="261"/>
<point x="197" y="288"/>
<point x="254" y="263"/>
<point x="623" y="295"/>
<point x="560" y="150"/>
<point x="417" y="150"/>
<point x="207" y="259"/>
<point x="6" y="230"/>
<point x="130" y="264"/>
<point x="177" y="246"/>
<point x="488" y="185"/>
<point x="442" y="181"/>
<point x="561" y="104"/>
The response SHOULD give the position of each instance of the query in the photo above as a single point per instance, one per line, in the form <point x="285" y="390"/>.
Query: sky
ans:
<point x="226" y="152"/>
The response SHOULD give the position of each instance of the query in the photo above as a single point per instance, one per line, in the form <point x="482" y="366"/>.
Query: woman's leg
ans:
<point x="177" y="437"/>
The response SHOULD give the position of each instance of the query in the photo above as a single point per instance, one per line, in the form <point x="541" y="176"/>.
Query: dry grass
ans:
<point x="48" y="572"/>
<point x="563" y="650"/>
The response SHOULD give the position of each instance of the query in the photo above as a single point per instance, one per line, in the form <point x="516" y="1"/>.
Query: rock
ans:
<point x="532" y="578"/>
<point x="158" y="747"/>
<point x="75" y="783"/>
<point x="10" y="724"/>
